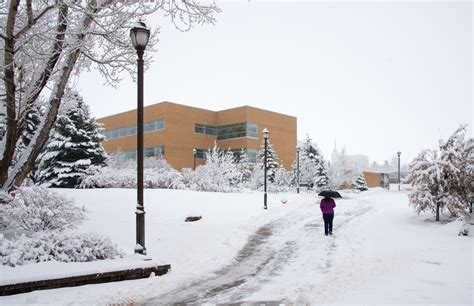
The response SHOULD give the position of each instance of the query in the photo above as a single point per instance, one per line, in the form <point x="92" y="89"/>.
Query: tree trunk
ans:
<point x="11" y="135"/>
<point x="437" y="212"/>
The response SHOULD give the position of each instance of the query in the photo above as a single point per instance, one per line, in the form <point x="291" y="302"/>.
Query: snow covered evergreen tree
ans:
<point x="360" y="183"/>
<point x="313" y="170"/>
<point x="74" y="145"/>
<point x="244" y="167"/>
<point x="32" y="121"/>
<point x="442" y="180"/>
<point x="272" y="160"/>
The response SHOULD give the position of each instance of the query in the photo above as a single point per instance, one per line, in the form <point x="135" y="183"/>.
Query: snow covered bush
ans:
<point x="220" y="173"/>
<point x="443" y="180"/>
<point x="36" y="209"/>
<point x="120" y="173"/>
<point x="48" y="246"/>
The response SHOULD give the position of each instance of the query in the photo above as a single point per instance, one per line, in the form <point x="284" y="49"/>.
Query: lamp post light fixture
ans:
<point x="297" y="169"/>
<point x="139" y="34"/>
<point x="265" y="134"/>
<point x="399" y="153"/>
<point x="194" y="159"/>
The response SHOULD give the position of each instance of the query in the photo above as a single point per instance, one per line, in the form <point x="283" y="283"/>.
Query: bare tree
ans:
<point x="43" y="43"/>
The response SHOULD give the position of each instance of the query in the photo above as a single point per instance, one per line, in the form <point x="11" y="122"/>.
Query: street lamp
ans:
<point x="194" y="162"/>
<point x="139" y="34"/>
<point x="265" y="134"/>
<point x="399" y="153"/>
<point x="298" y="169"/>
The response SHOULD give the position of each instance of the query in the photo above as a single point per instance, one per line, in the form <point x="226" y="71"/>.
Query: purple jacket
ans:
<point x="327" y="205"/>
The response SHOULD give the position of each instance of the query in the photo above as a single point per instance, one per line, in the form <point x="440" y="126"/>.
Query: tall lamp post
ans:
<point x="194" y="159"/>
<point x="139" y="35"/>
<point x="298" y="169"/>
<point x="399" y="153"/>
<point x="265" y="134"/>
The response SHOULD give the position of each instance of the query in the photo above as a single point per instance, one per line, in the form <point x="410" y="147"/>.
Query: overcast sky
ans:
<point x="376" y="77"/>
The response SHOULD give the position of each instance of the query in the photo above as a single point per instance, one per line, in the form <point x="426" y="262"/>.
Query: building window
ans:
<point x="154" y="125"/>
<point x="155" y="151"/>
<point x="243" y="129"/>
<point x="131" y="130"/>
<point x="147" y="152"/>
<point x="251" y="154"/>
<point x="201" y="154"/>
<point x="205" y="129"/>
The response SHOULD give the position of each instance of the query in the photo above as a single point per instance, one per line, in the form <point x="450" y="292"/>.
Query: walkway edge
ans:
<point x="95" y="278"/>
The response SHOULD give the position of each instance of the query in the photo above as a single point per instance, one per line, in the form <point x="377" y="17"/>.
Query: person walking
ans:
<point x="327" y="208"/>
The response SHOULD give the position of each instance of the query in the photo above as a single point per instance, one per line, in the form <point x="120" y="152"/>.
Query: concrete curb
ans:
<point x="96" y="278"/>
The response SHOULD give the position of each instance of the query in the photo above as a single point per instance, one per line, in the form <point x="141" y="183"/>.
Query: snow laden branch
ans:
<point x="47" y="43"/>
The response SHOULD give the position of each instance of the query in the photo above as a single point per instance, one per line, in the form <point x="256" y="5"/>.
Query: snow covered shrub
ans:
<point x="48" y="246"/>
<point x="159" y="174"/>
<point x="220" y="173"/>
<point x="120" y="173"/>
<point x="110" y="177"/>
<point x="36" y="209"/>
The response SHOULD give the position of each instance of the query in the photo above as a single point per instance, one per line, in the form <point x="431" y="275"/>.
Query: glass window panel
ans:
<point x="122" y="132"/>
<point x="160" y="124"/>
<point x="252" y="155"/>
<point x="200" y="154"/>
<point x="149" y="126"/>
<point x="149" y="152"/>
<point x="199" y="129"/>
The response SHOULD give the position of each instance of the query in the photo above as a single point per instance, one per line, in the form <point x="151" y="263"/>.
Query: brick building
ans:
<point x="173" y="131"/>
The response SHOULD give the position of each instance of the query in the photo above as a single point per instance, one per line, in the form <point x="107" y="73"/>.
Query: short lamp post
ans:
<point x="297" y="169"/>
<point x="399" y="153"/>
<point x="139" y="35"/>
<point x="265" y="134"/>
<point x="194" y="159"/>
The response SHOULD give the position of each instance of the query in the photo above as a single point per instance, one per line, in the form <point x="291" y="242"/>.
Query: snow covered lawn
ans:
<point x="381" y="252"/>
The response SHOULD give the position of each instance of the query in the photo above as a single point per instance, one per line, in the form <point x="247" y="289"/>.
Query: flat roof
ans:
<point x="200" y="108"/>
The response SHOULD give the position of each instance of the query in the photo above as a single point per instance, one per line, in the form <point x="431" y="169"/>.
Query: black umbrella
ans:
<point x="330" y="194"/>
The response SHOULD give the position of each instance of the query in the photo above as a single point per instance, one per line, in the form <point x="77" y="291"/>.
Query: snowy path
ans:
<point x="293" y="244"/>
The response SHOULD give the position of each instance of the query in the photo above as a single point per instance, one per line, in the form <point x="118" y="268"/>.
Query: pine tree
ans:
<point x="74" y="145"/>
<point x="32" y="122"/>
<point x="244" y="167"/>
<point x="272" y="163"/>
<point x="360" y="183"/>
<point x="313" y="170"/>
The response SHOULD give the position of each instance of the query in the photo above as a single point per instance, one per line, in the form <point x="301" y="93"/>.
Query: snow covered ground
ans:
<point x="381" y="252"/>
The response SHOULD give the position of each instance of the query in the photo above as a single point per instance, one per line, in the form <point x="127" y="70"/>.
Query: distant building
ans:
<point x="377" y="179"/>
<point x="172" y="131"/>
<point x="358" y="160"/>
